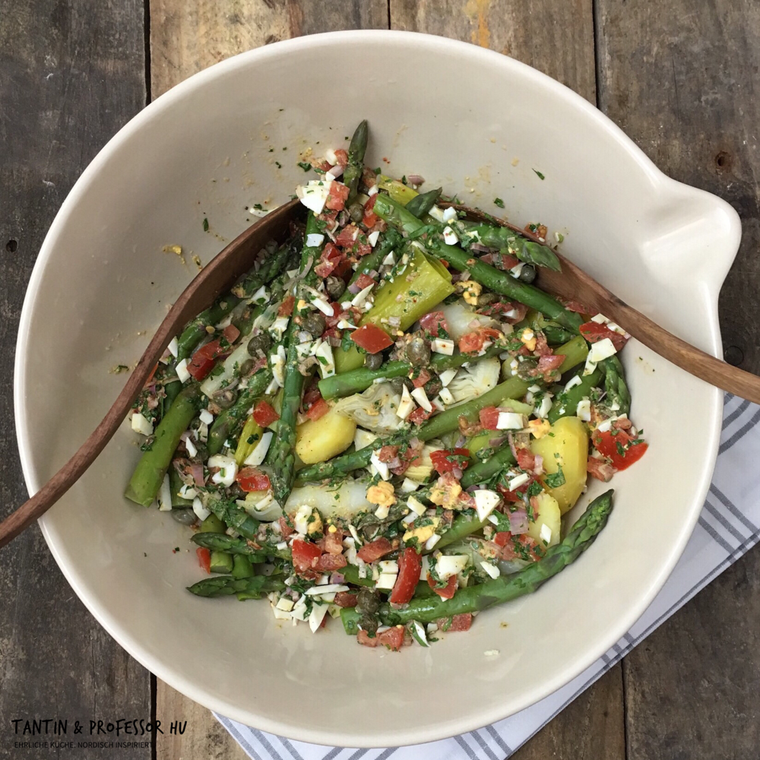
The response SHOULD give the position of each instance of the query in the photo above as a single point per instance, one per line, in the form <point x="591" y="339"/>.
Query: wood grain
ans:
<point x="185" y="37"/>
<point x="69" y="79"/>
<point x="682" y="82"/>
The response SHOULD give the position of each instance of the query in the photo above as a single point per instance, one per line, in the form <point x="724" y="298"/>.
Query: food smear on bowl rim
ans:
<point x="385" y="421"/>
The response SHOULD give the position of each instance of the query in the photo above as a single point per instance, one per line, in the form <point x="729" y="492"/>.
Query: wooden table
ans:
<point x="680" y="77"/>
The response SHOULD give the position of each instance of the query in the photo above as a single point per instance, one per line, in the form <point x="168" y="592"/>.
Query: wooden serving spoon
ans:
<point x="234" y="260"/>
<point x="574" y="284"/>
<point x="216" y="278"/>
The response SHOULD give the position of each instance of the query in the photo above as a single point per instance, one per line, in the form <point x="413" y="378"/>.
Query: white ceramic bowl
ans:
<point x="102" y="284"/>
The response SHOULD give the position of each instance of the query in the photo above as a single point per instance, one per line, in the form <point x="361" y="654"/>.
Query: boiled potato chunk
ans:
<point x="320" y="440"/>
<point x="566" y="444"/>
<point x="549" y="515"/>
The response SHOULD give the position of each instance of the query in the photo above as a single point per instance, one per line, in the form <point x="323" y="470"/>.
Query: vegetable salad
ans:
<point x="385" y="421"/>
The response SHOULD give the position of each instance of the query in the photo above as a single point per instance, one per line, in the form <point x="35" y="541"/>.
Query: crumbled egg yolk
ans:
<point x="470" y="291"/>
<point x="423" y="533"/>
<point x="445" y="495"/>
<point x="381" y="494"/>
<point x="528" y="339"/>
<point x="539" y="428"/>
<point x="315" y="524"/>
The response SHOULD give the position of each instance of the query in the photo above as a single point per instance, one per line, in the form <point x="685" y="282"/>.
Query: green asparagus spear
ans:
<point x="224" y="543"/>
<point x="356" y="150"/>
<point x="506" y="241"/>
<point x="226" y="585"/>
<point x="566" y="402"/>
<point x="242" y="567"/>
<point x="422" y="203"/>
<point x="175" y="483"/>
<point x="282" y="451"/>
<point x="358" y="380"/>
<point x="482" y="471"/>
<point x="574" y="351"/>
<point x="149" y="473"/>
<point x="500" y="282"/>
<point x="390" y="241"/>
<point x="503" y="589"/>
<point x="230" y="514"/>
<point x="224" y="425"/>
<point x="615" y="384"/>
<point x="463" y="525"/>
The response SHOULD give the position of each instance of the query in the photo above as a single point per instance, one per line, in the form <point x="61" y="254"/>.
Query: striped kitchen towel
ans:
<point x="728" y="527"/>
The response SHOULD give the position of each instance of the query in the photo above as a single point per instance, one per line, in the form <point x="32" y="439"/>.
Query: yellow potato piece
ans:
<point x="566" y="444"/>
<point x="320" y="440"/>
<point x="549" y="515"/>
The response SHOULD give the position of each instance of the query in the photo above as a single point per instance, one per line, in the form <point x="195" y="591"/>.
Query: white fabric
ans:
<point x="727" y="529"/>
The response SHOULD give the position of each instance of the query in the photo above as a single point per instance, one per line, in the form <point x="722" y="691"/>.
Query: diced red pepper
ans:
<point x="371" y="338"/>
<point x="264" y="414"/>
<point x="375" y="549"/>
<point x="231" y="334"/>
<point x="364" y="281"/>
<point x="489" y="418"/>
<point x="593" y="332"/>
<point x="318" y="409"/>
<point x="447" y="591"/>
<point x="423" y="377"/>
<point x="202" y="361"/>
<point x="433" y="322"/>
<point x="619" y="447"/>
<point x="337" y="196"/>
<point x="305" y="556"/>
<point x="460" y="622"/>
<point x="447" y="460"/>
<point x="409" y="567"/>
<point x="204" y="558"/>
<point x="251" y="479"/>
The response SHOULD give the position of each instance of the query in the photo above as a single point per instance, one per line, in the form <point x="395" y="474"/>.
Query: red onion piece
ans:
<point x="354" y="288"/>
<point x="415" y="179"/>
<point x="518" y="521"/>
<point x="538" y="465"/>
<point x="196" y="470"/>
<point x="337" y="578"/>
<point x="512" y="446"/>
<point x="457" y="472"/>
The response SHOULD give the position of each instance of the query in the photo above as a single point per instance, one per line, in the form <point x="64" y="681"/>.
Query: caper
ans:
<point x="486" y="298"/>
<point x="236" y="492"/>
<point x="335" y="287"/>
<point x="261" y="342"/>
<point x="527" y="273"/>
<point x="356" y="212"/>
<point x="246" y="367"/>
<point x="314" y="323"/>
<point x="225" y="398"/>
<point x="184" y="516"/>
<point x="373" y="361"/>
<point x="418" y="352"/>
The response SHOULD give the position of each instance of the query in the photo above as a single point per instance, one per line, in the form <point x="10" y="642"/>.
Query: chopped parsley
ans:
<point x="498" y="202"/>
<point x="538" y="174"/>
<point x="205" y="224"/>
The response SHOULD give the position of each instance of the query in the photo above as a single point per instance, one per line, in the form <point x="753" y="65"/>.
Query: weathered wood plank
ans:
<point x="558" y="39"/>
<point x="682" y="81"/>
<point x="70" y="76"/>
<point x="554" y="37"/>
<point x="593" y="726"/>
<point x="186" y="37"/>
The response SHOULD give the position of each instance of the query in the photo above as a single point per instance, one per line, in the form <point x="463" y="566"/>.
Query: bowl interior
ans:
<point x="231" y="137"/>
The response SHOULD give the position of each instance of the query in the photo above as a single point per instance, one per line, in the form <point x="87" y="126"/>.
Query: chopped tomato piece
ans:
<point x="619" y="447"/>
<point x="502" y="538"/>
<point x="593" y="332"/>
<point x="332" y="543"/>
<point x="337" y="197"/>
<point x="231" y="334"/>
<point x="473" y="342"/>
<point x="375" y="549"/>
<point x="448" y="590"/>
<point x="203" y="359"/>
<point x="305" y="556"/>
<point x="364" y="281"/>
<point x="370" y="217"/>
<point x="251" y="479"/>
<point x="345" y="599"/>
<point x="387" y="453"/>
<point x="341" y="157"/>
<point x="204" y="558"/>
<point x="329" y="562"/>
<point x="600" y="469"/>
<point x="418" y="416"/>
<point x="409" y="566"/>
<point x="371" y="338"/>
<point x="577" y="307"/>
<point x="318" y="409"/>
<point x="508" y="261"/>
<point x="286" y="529"/>
<point x="489" y="418"/>
<point x="347" y="236"/>
<point x="264" y="414"/>
<point x="286" y="307"/>
<point x="392" y="639"/>
<point x="423" y="377"/>
<point x="433" y="322"/>
<point x="549" y="362"/>
<point x="525" y="459"/>
<point x="448" y="460"/>
<point x="460" y="622"/>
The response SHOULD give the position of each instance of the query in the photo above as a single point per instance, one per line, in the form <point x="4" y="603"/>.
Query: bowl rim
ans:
<point x="659" y="180"/>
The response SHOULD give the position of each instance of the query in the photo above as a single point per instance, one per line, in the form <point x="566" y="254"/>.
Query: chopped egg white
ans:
<point x="165" y="496"/>
<point x="450" y="564"/>
<point x="174" y="347"/>
<point x="601" y="350"/>
<point x="256" y="457"/>
<point x="449" y="236"/>
<point x="583" y="409"/>
<point x="449" y="214"/>
<point x="409" y="486"/>
<point x="446" y="396"/>
<point x="406" y="405"/>
<point x="442" y="346"/>
<point x="373" y="237"/>
<point x="362" y="295"/>
<point x="381" y="468"/>
<point x="517" y="481"/>
<point x="206" y="417"/>
<point x="509" y="421"/>
<point x="200" y="511"/>
<point x="182" y="372"/>
<point x="314" y="194"/>
<point x="490" y="569"/>
<point x="485" y="502"/>
<point x="227" y="470"/>
<point x="447" y="376"/>
<point x="437" y="213"/>
<point x="141" y="424"/>
<point x="419" y="395"/>
<point x="415" y="504"/>
<point x="573" y="382"/>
